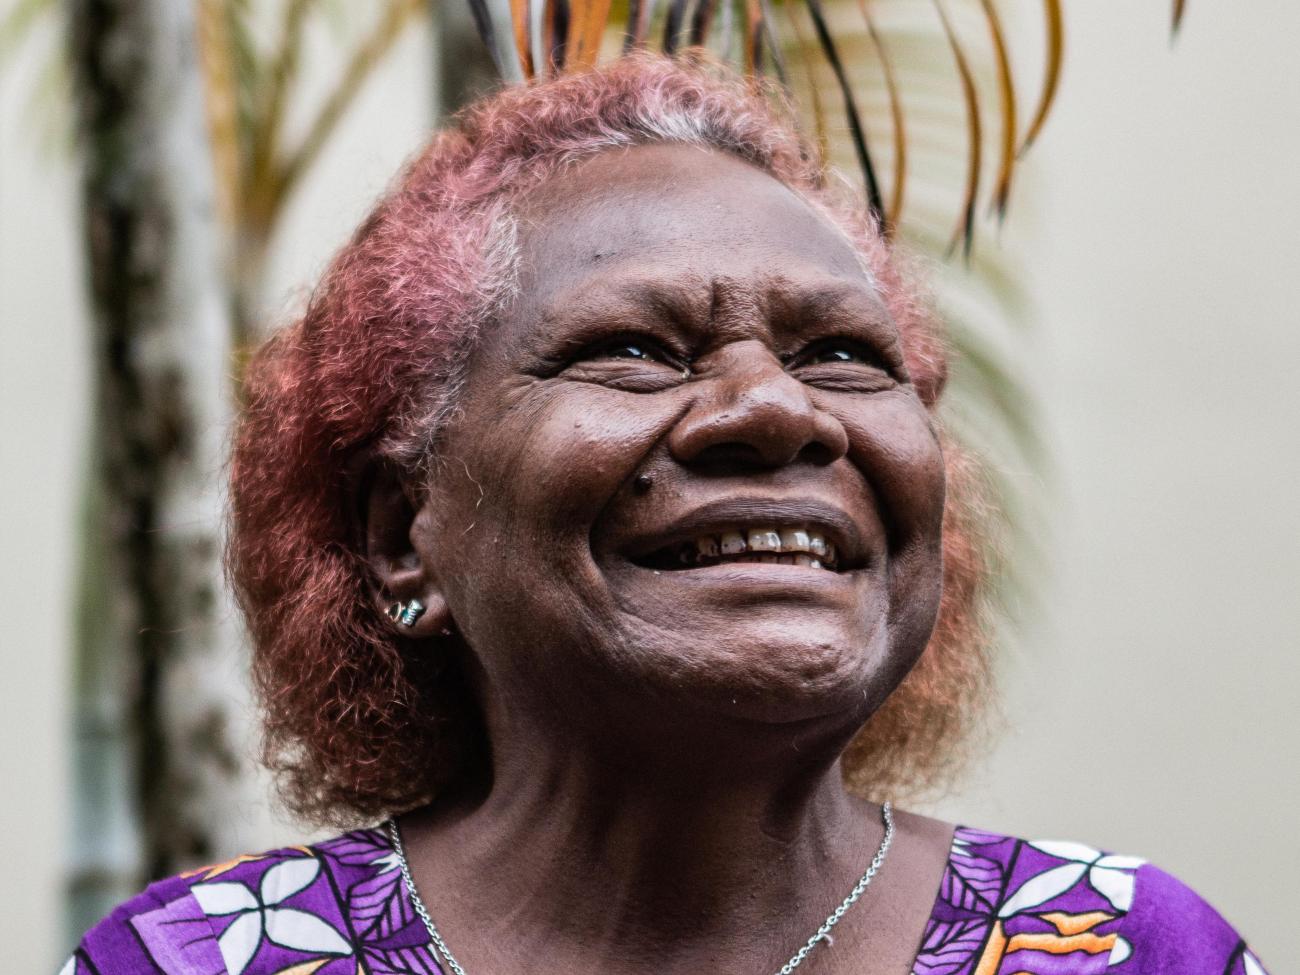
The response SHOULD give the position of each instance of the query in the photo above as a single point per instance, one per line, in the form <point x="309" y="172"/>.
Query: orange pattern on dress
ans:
<point x="994" y="949"/>
<point x="1055" y="944"/>
<point x="1076" y="923"/>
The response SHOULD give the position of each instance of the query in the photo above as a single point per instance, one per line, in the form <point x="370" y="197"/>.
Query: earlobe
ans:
<point x="394" y="535"/>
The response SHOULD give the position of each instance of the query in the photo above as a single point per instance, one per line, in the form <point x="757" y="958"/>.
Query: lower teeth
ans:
<point x="768" y="558"/>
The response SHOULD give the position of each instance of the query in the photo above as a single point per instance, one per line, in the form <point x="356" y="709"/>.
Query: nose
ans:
<point x="750" y="412"/>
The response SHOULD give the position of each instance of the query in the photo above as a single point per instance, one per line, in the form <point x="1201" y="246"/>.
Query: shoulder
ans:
<point x="300" y="909"/>
<point x="1053" y="906"/>
<point x="1170" y="927"/>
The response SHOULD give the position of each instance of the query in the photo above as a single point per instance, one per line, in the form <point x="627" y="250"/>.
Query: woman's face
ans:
<point x="689" y="469"/>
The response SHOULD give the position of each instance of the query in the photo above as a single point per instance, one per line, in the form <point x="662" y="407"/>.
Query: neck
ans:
<point x="599" y="856"/>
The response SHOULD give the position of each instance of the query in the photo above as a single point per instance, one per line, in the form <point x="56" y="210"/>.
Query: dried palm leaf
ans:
<point x="897" y="118"/>
<point x="965" y="233"/>
<point x="249" y="87"/>
<point x="1052" y="77"/>
<point x="1007" y="95"/>
<point x="572" y="31"/>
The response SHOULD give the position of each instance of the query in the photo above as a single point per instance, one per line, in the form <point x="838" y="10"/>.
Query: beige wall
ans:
<point x="1152" y="700"/>
<point x="43" y="373"/>
<point x="1153" y="706"/>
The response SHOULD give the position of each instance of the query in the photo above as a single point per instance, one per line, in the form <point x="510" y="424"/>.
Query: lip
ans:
<point x="752" y="511"/>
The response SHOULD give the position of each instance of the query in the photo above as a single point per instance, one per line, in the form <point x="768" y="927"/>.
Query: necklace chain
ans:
<point x="821" y="934"/>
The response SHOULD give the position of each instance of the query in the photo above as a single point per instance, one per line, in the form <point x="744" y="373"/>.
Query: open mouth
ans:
<point x="807" y="547"/>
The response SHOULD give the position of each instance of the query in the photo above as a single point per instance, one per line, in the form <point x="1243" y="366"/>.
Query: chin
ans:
<point x="787" y="672"/>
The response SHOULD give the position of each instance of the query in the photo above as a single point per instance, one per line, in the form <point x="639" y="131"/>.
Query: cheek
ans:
<point x="526" y="488"/>
<point x="551" y="462"/>
<point x="893" y="442"/>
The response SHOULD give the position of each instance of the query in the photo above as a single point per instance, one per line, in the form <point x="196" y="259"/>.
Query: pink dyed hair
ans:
<point x="357" y="723"/>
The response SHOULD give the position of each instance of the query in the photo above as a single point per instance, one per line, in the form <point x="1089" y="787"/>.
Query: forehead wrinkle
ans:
<point x="782" y="301"/>
<point x="840" y="297"/>
<point x="683" y="299"/>
<point x="720" y="308"/>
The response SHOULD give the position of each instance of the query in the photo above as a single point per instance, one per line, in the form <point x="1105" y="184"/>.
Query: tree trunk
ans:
<point x="157" y="668"/>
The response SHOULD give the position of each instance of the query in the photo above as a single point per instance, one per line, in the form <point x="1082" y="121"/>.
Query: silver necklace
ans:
<point x="822" y="933"/>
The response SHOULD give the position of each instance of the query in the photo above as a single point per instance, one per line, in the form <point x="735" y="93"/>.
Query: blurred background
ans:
<point x="1117" y="336"/>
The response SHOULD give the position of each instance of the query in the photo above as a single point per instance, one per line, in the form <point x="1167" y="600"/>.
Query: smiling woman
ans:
<point x="595" y="522"/>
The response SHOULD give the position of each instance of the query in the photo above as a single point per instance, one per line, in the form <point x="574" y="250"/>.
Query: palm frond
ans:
<point x="814" y="34"/>
<point x="521" y="17"/>
<point x="965" y="232"/>
<point x="574" y="33"/>
<point x="805" y="56"/>
<point x="898" y="121"/>
<point x="1055" y="21"/>
<point x="673" y="25"/>
<point x="281" y="71"/>
<point x="483" y="22"/>
<point x="222" y="102"/>
<point x="249" y="88"/>
<point x="1007" y="99"/>
<point x="284" y="168"/>
<point x="856" y="131"/>
<point x="586" y="29"/>
<point x="765" y="39"/>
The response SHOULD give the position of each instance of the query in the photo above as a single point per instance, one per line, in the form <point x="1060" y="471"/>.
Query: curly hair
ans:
<point x="357" y="724"/>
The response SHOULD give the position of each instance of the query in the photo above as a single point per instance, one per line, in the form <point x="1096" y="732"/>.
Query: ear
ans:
<point x="395" y="535"/>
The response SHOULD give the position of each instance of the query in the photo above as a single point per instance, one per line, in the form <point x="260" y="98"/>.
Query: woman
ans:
<point x="589" y="514"/>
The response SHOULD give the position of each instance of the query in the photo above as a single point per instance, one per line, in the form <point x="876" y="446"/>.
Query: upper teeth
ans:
<point x="803" y="546"/>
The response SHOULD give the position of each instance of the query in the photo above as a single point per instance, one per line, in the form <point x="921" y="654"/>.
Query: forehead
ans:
<point x="675" y="217"/>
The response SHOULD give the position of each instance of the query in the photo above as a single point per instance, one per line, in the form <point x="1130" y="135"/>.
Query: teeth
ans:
<point x="732" y="543"/>
<point x="707" y="546"/>
<point x="788" y="546"/>
<point x="794" y="540"/>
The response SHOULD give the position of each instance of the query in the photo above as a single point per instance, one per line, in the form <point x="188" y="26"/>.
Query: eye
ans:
<point x="842" y="364"/>
<point x="836" y="353"/>
<point x="632" y="363"/>
<point x="627" y="350"/>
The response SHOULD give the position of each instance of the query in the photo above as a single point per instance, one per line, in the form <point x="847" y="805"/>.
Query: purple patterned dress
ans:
<point x="1005" y="907"/>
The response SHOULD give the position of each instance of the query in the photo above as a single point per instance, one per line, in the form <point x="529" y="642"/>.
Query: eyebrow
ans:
<point x="688" y="306"/>
<point x="583" y="302"/>
<point x="825" y="297"/>
<point x="838" y="296"/>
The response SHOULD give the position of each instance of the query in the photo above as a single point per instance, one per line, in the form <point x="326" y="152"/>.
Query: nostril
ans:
<point x="818" y="453"/>
<point x="729" y="455"/>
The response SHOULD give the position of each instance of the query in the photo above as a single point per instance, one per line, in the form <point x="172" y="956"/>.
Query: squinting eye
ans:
<point x="837" y="353"/>
<point x="626" y="350"/>
<point x="631" y="364"/>
<point x="632" y="347"/>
